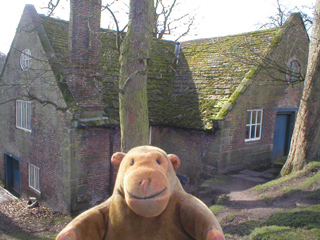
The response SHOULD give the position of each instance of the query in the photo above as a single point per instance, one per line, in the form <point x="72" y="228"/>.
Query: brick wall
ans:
<point x="194" y="150"/>
<point x="84" y="32"/>
<point x="269" y="91"/>
<point x="92" y="173"/>
<point x="47" y="145"/>
<point x="84" y="50"/>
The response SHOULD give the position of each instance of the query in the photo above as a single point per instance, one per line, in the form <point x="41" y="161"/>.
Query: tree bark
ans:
<point x="305" y="144"/>
<point x="134" y="55"/>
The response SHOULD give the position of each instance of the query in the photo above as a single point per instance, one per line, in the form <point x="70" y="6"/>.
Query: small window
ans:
<point x="177" y="52"/>
<point x="25" y="60"/>
<point x="294" y="71"/>
<point x="253" y="125"/>
<point x="34" y="177"/>
<point x="23" y="115"/>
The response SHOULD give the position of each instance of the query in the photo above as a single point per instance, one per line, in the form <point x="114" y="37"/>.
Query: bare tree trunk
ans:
<point x="135" y="51"/>
<point x="305" y="143"/>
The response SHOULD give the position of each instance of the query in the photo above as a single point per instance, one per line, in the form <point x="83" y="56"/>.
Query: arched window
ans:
<point x="294" y="71"/>
<point x="25" y="59"/>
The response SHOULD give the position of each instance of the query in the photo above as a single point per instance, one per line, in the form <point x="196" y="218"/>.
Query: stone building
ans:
<point x="220" y="104"/>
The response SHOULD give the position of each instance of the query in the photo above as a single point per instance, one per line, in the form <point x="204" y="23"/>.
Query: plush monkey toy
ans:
<point x="148" y="203"/>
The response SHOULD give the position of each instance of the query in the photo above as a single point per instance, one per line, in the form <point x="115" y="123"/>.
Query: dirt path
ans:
<point x="244" y="207"/>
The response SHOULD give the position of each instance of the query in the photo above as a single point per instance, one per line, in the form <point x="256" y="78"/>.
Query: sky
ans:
<point x="213" y="18"/>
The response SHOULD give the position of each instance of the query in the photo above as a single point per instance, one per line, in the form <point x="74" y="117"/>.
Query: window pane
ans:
<point x="247" y="132"/>
<point x="25" y="59"/>
<point x="18" y="114"/>
<point x="31" y="175"/>
<point x="248" y="117"/>
<point x="253" y="130"/>
<point x="259" y="116"/>
<point x="23" y="115"/>
<point x="34" y="177"/>
<point x="254" y="124"/>
<point x="28" y="115"/>
<point x="254" y="119"/>
<point x="258" y="131"/>
<point x="36" y="182"/>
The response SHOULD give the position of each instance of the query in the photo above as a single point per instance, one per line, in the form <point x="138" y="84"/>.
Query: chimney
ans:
<point x="84" y="27"/>
<point x="84" y="48"/>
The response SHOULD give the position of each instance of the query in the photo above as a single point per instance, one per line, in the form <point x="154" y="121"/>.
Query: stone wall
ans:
<point x="46" y="146"/>
<point x="194" y="150"/>
<point x="92" y="174"/>
<point x="270" y="91"/>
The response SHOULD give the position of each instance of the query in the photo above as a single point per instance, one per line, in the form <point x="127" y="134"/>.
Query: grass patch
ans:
<point x="217" y="180"/>
<point x="298" y="223"/>
<point x="222" y="199"/>
<point x="284" y="233"/>
<point x="315" y="195"/>
<point x="26" y="236"/>
<point x="273" y="183"/>
<point x="306" y="217"/>
<point x="302" y="223"/>
<point x="216" y="208"/>
<point x="312" y="170"/>
<point x="244" y="229"/>
<point x="229" y="218"/>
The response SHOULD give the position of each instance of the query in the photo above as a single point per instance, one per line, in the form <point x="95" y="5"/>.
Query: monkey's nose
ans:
<point x="144" y="181"/>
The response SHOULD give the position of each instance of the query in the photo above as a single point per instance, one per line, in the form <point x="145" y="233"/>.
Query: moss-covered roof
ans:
<point x="160" y="75"/>
<point x="209" y="76"/>
<point x="214" y="68"/>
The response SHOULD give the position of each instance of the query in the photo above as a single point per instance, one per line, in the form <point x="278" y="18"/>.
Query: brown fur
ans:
<point x="148" y="203"/>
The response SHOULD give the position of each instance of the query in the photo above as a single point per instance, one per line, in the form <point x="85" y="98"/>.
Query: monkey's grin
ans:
<point x="149" y="197"/>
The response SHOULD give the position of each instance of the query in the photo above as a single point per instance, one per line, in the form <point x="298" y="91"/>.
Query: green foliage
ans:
<point x="299" y="223"/>
<point x="27" y="236"/>
<point x="270" y="184"/>
<point x="222" y="199"/>
<point x="312" y="170"/>
<point x="284" y="233"/>
<point x="216" y="208"/>
<point x="245" y="228"/>
<point x="315" y="195"/>
<point x="308" y="217"/>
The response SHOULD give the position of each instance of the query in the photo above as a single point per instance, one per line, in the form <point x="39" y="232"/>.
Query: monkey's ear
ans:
<point x="117" y="158"/>
<point x="175" y="160"/>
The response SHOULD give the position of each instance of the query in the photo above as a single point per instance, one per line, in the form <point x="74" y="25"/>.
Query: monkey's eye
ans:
<point x="132" y="162"/>
<point x="158" y="161"/>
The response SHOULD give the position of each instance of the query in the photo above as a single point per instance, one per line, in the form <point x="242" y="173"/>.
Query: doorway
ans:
<point x="282" y="134"/>
<point x="12" y="173"/>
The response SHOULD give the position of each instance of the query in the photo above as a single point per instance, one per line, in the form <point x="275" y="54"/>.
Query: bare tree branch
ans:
<point x="52" y="5"/>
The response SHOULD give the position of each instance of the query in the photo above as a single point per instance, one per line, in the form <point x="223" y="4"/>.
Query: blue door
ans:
<point x="16" y="176"/>
<point x="12" y="174"/>
<point x="282" y="136"/>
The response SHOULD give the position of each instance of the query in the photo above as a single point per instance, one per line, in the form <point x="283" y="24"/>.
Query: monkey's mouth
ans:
<point x="149" y="197"/>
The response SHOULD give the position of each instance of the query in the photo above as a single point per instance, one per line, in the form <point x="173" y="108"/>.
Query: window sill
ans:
<point x="35" y="190"/>
<point x="252" y="139"/>
<point x="24" y="129"/>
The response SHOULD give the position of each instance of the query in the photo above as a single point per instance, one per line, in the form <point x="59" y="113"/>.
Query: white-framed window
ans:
<point x="23" y="115"/>
<point x="25" y="59"/>
<point x="34" y="177"/>
<point x="254" y="125"/>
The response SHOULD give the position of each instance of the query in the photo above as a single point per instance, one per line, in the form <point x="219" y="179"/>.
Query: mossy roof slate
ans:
<point x="214" y="68"/>
<point x="160" y="74"/>
<point x="188" y="94"/>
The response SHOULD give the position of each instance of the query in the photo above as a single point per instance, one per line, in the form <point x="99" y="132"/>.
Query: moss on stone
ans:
<point x="218" y="66"/>
<point x="202" y="86"/>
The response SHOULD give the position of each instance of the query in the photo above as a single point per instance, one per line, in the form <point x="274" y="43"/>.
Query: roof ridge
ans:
<point x="234" y="35"/>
